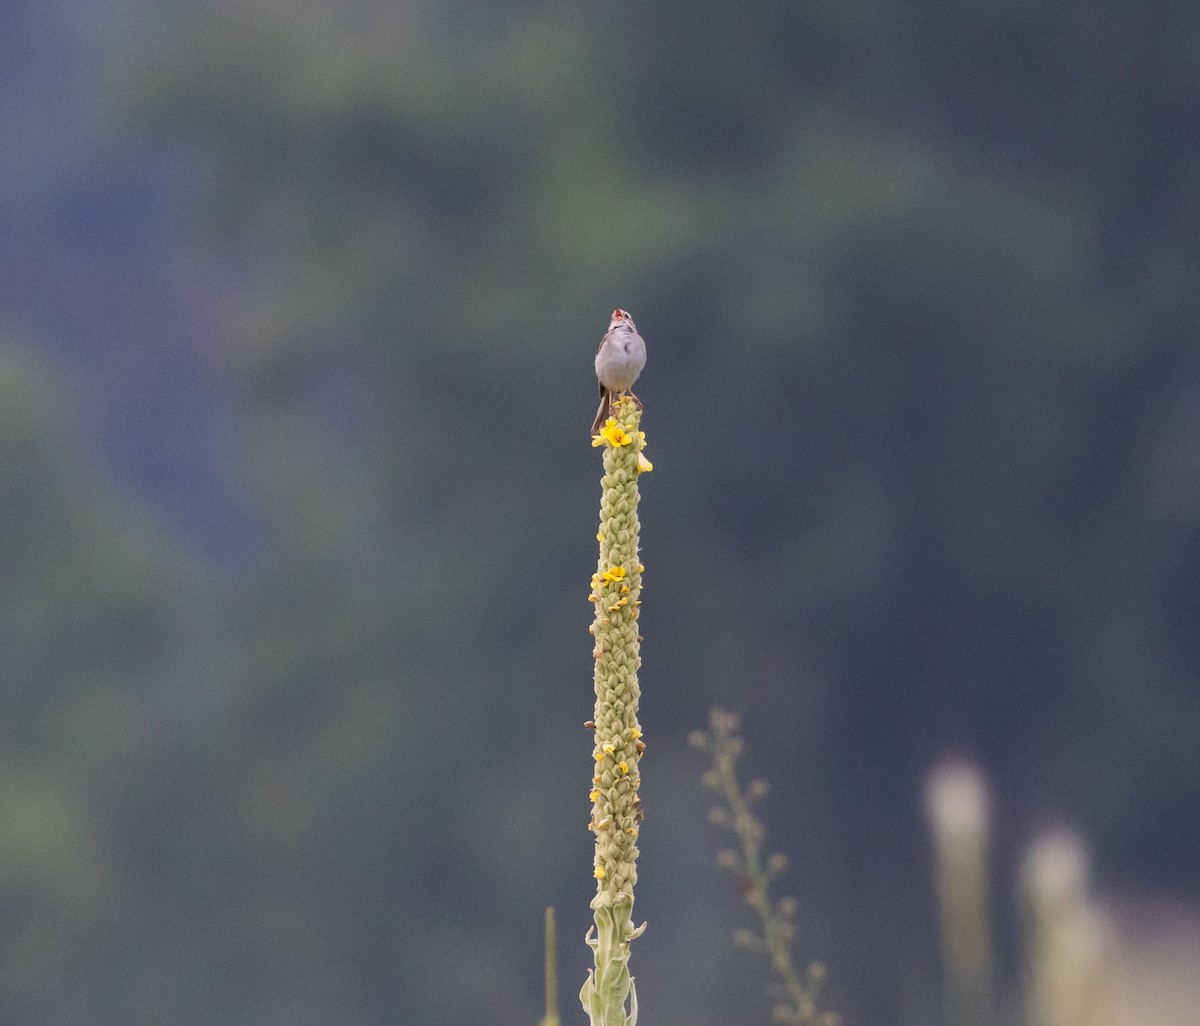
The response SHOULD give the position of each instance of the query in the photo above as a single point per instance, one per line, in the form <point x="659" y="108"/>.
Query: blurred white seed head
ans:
<point x="956" y="798"/>
<point x="1069" y="936"/>
<point x="959" y="812"/>
<point x="1055" y="871"/>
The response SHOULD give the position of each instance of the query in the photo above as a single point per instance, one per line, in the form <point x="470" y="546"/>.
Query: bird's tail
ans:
<point x="602" y="414"/>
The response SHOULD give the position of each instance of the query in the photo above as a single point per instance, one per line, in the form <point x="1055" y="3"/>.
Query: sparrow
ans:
<point x="619" y="361"/>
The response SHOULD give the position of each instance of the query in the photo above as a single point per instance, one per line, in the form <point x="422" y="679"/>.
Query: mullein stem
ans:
<point x="551" y="1018"/>
<point x="616" y="809"/>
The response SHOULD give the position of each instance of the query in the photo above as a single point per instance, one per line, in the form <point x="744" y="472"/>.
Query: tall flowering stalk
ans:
<point x="755" y="874"/>
<point x="956" y="797"/>
<point x="608" y="995"/>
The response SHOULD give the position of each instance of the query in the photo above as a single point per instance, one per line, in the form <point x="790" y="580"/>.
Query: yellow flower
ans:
<point x="623" y="766"/>
<point x="613" y="434"/>
<point x="644" y="466"/>
<point x="634" y="733"/>
<point x="594" y="795"/>
<point x="613" y="573"/>
<point x="599" y="873"/>
<point x="609" y="749"/>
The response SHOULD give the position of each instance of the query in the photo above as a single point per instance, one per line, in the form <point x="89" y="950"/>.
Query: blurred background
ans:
<point x="298" y="304"/>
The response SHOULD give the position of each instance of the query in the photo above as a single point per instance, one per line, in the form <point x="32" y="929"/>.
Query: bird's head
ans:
<point x="621" y="318"/>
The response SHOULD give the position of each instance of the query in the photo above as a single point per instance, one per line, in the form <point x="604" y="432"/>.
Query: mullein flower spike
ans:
<point x="616" y="808"/>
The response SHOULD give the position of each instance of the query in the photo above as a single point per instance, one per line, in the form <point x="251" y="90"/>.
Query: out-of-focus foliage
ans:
<point x="918" y="287"/>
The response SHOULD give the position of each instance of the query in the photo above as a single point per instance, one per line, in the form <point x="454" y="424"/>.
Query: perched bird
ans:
<point x="619" y="361"/>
